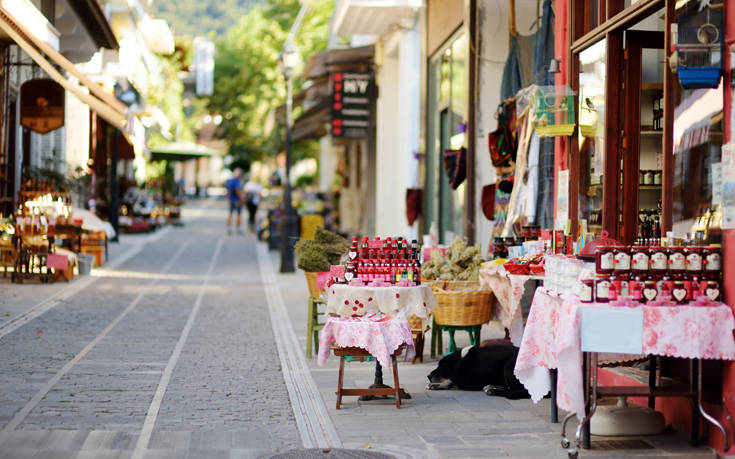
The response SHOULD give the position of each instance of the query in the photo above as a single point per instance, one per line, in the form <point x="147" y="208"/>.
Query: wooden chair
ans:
<point x="417" y="331"/>
<point x="313" y="324"/>
<point x="95" y="244"/>
<point x="362" y="354"/>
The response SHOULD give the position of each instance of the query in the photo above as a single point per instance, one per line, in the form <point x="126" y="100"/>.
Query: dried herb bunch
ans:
<point x="318" y="254"/>
<point x="460" y="263"/>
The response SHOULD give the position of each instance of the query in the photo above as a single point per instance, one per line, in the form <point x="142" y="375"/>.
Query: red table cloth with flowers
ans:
<point x="379" y="336"/>
<point x="507" y="290"/>
<point x="347" y="300"/>
<point x="552" y="340"/>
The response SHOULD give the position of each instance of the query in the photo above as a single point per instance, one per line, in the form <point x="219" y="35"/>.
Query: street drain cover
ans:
<point x="621" y="444"/>
<point x="330" y="453"/>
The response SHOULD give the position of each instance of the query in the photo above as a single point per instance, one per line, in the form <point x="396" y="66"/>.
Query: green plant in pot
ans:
<point x="318" y="254"/>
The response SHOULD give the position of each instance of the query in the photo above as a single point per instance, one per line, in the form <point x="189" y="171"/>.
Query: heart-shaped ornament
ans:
<point x="650" y="294"/>
<point x="679" y="294"/>
<point x="713" y="293"/>
<point x="349" y="275"/>
<point x="352" y="255"/>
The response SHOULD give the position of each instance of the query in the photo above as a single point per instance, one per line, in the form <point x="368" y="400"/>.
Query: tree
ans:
<point x="248" y="84"/>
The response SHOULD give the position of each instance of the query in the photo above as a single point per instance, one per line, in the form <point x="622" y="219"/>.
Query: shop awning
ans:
<point x="182" y="151"/>
<point x="102" y="102"/>
<point x="373" y="17"/>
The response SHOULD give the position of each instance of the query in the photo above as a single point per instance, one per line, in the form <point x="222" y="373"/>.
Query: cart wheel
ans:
<point x="565" y="442"/>
<point x="573" y="453"/>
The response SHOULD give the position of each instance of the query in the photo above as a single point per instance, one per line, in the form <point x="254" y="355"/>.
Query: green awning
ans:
<point x="182" y="151"/>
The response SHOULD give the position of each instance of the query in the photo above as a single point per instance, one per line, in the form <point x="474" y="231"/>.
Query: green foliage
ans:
<point x="201" y="17"/>
<point x="248" y="84"/>
<point x="166" y="94"/>
<point x="318" y="254"/>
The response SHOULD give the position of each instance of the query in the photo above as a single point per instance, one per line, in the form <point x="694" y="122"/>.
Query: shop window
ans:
<point x="447" y="115"/>
<point x="592" y="134"/>
<point x="697" y="153"/>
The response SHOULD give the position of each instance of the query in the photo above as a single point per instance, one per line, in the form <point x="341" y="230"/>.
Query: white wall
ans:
<point x="328" y="159"/>
<point x="493" y="29"/>
<point x="398" y="118"/>
<point x="76" y="122"/>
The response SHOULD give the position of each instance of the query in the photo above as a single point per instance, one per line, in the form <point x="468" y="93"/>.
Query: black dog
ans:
<point x="488" y="368"/>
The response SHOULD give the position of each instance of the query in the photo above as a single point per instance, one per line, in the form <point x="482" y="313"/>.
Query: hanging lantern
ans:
<point x="699" y="44"/>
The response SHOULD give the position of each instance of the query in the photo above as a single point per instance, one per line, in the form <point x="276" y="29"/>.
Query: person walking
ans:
<point x="234" y="196"/>
<point x="252" y="199"/>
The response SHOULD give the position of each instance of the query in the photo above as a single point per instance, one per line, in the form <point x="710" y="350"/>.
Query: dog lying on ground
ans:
<point x="488" y="368"/>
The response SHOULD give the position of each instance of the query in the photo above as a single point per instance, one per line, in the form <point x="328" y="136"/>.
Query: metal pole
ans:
<point x="288" y="220"/>
<point x="114" y="204"/>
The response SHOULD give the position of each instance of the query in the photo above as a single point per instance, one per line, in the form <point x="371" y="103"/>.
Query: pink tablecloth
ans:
<point x="508" y="290"/>
<point x="379" y="338"/>
<point x="552" y="340"/>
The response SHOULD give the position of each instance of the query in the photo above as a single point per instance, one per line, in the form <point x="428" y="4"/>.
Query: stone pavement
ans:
<point x="446" y="423"/>
<point x="188" y="344"/>
<point x="170" y="354"/>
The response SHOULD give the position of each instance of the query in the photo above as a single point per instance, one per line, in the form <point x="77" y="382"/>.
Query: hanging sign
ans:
<point x="41" y="105"/>
<point x="352" y="95"/>
<point x="727" y="171"/>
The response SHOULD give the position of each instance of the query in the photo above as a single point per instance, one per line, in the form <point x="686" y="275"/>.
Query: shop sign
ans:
<point x="42" y="105"/>
<point x="352" y="96"/>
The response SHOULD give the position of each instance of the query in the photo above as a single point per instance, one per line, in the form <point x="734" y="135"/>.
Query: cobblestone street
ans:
<point x="171" y="352"/>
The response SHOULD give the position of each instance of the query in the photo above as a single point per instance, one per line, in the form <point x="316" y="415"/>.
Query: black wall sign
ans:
<point x="41" y="105"/>
<point x="352" y="94"/>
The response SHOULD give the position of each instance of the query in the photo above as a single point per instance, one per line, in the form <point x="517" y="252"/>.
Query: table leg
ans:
<point x="378" y="384"/>
<point x="339" y="380"/>
<point x="434" y="338"/>
<point x="396" y="384"/>
<point x="705" y="415"/>
<point x="652" y="364"/>
<point x="589" y="361"/>
<point x="554" y="408"/>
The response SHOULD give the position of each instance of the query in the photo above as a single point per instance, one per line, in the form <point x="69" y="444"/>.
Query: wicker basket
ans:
<point x="463" y="305"/>
<point x="311" y="282"/>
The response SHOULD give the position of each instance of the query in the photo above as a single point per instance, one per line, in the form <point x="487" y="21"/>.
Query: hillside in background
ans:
<point x="199" y="17"/>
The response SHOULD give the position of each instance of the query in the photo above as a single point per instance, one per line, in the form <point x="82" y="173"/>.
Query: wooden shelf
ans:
<point x="650" y="132"/>
<point x="649" y="187"/>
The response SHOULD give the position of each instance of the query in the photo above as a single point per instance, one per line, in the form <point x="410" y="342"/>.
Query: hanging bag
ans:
<point x="455" y="164"/>
<point x="502" y="142"/>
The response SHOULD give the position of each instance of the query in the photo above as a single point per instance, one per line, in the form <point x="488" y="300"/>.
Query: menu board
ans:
<point x="352" y="102"/>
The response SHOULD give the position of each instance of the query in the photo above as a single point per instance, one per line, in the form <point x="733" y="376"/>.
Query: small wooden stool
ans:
<point x="360" y="353"/>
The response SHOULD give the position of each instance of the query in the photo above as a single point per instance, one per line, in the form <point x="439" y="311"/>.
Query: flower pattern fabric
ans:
<point x="347" y="301"/>
<point x="552" y="340"/>
<point x="380" y="337"/>
<point x="507" y="290"/>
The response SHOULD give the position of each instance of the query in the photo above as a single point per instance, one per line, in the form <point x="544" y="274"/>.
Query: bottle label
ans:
<point x="678" y="262"/>
<point x="640" y="261"/>
<point x="607" y="261"/>
<point x="695" y="262"/>
<point x="659" y="261"/>
<point x="622" y="261"/>
<point x="603" y="289"/>
<point x="585" y="292"/>
<point x="713" y="262"/>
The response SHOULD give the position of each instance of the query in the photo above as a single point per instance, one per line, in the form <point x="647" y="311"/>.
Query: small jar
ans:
<point x="664" y="284"/>
<point x="712" y="291"/>
<point x="649" y="292"/>
<point x="693" y="259"/>
<point x="712" y="259"/>
<point x="657" y="177"/>
<point x="648" y="177"/>
<point x="639" y="260"/>
<point x="635" y="287"/>
<point x="622" y="285"/>
<point x="622" y="259"/>
<point x="585" y="290"/>
<point x="605" y="260"/>
<point x="658" y="260"/>
<point x="641" y="177"/>
<point x="679" y="292"/>
<point x="602" y="289"/>
<point x="677" y="260"/>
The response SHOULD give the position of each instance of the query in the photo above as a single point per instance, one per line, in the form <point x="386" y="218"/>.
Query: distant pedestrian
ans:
<point x="234" y="196"/>
<point x="252" y="199"/>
